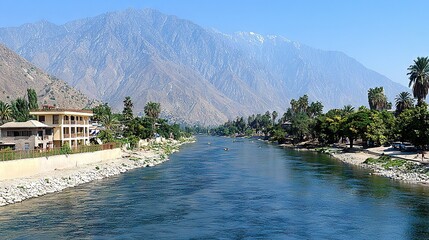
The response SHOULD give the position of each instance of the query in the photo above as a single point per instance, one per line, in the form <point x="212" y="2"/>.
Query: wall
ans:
<point x="33" y="166"/>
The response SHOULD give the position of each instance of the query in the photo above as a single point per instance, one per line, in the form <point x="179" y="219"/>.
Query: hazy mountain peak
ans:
<point x="198" y="75"/>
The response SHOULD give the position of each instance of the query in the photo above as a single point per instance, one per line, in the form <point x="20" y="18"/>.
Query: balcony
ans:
<point x="74" y="122"/>
<point x="45" y="138"/>
<point x="74" y="135"/>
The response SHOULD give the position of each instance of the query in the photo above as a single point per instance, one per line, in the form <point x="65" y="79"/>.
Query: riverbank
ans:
<point x="393" y="168"/>
<point x="403" y="167"/>
<point x="17" y="190"/>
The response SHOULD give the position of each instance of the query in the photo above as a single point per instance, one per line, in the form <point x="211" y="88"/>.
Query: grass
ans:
<point x="387" y="162"/>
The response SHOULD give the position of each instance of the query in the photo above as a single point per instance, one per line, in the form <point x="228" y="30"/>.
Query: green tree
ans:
<point x="303" y="104"/>
<point x="100" y="111"/>
<point x="355" y="125"/>
<point x="20" y="111"/>
<point x="419" y="78"/>
<point x="274" y="115"/>
<point x="347" y="109"/>
<point x="403" y="101"/>
<point x="301" y="126"/>
<point x="413" y="125"/>
<point x="32" y="99"/>
<point x="315" y="109"/>
<point x="328" y="126"/>
<point x="377" y="99"/>
<point x="128" y="109"/>
<point x="5" y="112"/>
<point x="152" y="109"/>
<point x="380" y="127"/>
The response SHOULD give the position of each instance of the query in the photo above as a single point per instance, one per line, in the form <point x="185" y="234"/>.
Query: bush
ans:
<point x="65" y="149"/>
<point x="386" y="162"/>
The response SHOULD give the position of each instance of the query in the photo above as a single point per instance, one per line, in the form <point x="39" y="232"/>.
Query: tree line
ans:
<point x="125" y="127"/>
<point x="376" y="125"/>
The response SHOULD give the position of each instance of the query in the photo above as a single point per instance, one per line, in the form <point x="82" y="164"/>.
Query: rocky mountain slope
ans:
<point x="198" y="75"/>
<point x="17" y="75"/>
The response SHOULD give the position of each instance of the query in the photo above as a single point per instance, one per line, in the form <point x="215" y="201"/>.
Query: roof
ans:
<point x="27" y="124"/>
<point x="59" y="111"/>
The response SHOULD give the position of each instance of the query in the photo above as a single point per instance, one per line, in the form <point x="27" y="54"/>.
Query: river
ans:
<point x="252" y="190"/>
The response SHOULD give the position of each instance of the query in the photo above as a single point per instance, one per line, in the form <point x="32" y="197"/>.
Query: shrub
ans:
<point x="65" y="149"/>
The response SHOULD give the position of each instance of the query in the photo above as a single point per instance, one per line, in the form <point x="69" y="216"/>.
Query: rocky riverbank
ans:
<point x="394" y="168"/>
<point x="398" y="169"/>
<point x="17" y="190"/>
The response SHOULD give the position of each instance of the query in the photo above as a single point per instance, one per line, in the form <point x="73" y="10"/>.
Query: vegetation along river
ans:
<point x="252" y="190"/>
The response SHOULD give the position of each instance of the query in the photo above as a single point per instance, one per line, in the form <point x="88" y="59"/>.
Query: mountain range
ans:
<point x="198" y="75"/>
<point x="17" y="75"/>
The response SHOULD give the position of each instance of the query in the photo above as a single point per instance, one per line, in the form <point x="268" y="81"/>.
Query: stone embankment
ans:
<point x="17" y="190"/>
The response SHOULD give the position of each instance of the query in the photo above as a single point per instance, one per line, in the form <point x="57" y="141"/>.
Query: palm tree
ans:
<point x="109" y="121"/>
<point x="152" y="109"/>
<point x="403" y="101"/>
<point x="5" y="112"/>
<point x="419" y="78"/>
<point x="377" y="99"/>
<point x="347" y="109"/>
<point x="111" y="125"/>
<point x="274" y="115"/>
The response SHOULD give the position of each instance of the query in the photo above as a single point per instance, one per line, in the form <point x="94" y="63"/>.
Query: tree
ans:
<point x="380" y="127"/>
<point x="128" y="109"/>
<point x="328" y="126"/>
<point x="303" y="103"/>
<point x="355" y="125"/>
<point x="419" y="78"/>
<point x="315" y="109"/>
<point x="20" y="111"/>
<point x="301" y="126"/>
<point x="100" y="111"/>
<point x="413" y="125"/>
<point x="5" y="112"/>
<point x="403" y="101"/>
<point x="32" y="99"/>
<point x="274" y="115"/>
<point x="152" y="109"/>
<point x="347" y="109"/>
<point x="377" y="99"/>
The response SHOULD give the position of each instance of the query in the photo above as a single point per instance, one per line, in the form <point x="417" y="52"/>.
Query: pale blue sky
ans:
<point x="385" y="36"/>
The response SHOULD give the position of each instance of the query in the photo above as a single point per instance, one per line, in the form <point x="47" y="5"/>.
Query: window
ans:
<point x="42" y="119"/>
<point x="48" y="131"/>
<point x="56" y="119"/>
<point x="26" y="146"/>
<point x="19" y="133"/>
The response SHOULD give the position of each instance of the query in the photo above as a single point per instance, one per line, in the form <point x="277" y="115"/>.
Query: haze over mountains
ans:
<point x="17" y="75"/>
<point x="198" y="75"/>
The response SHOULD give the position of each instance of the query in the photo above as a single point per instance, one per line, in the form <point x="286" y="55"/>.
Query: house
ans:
<point x="69" y="125"/>
<point x="26" y="135"/>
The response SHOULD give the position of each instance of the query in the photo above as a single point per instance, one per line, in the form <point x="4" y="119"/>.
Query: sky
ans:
<point x="384" y="35"/>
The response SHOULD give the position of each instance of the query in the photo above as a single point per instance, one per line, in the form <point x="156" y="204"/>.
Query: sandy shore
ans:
<point x="17" y="190"/>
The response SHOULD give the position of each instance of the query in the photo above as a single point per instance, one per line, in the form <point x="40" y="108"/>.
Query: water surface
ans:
<point x="252" y="191"/>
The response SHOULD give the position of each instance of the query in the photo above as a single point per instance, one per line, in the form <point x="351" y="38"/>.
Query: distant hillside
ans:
<point x="198" y="75"/>
<point x="17" y="75"/>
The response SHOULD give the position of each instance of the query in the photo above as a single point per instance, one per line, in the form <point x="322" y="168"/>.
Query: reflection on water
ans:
<point x="253" y="190"/>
